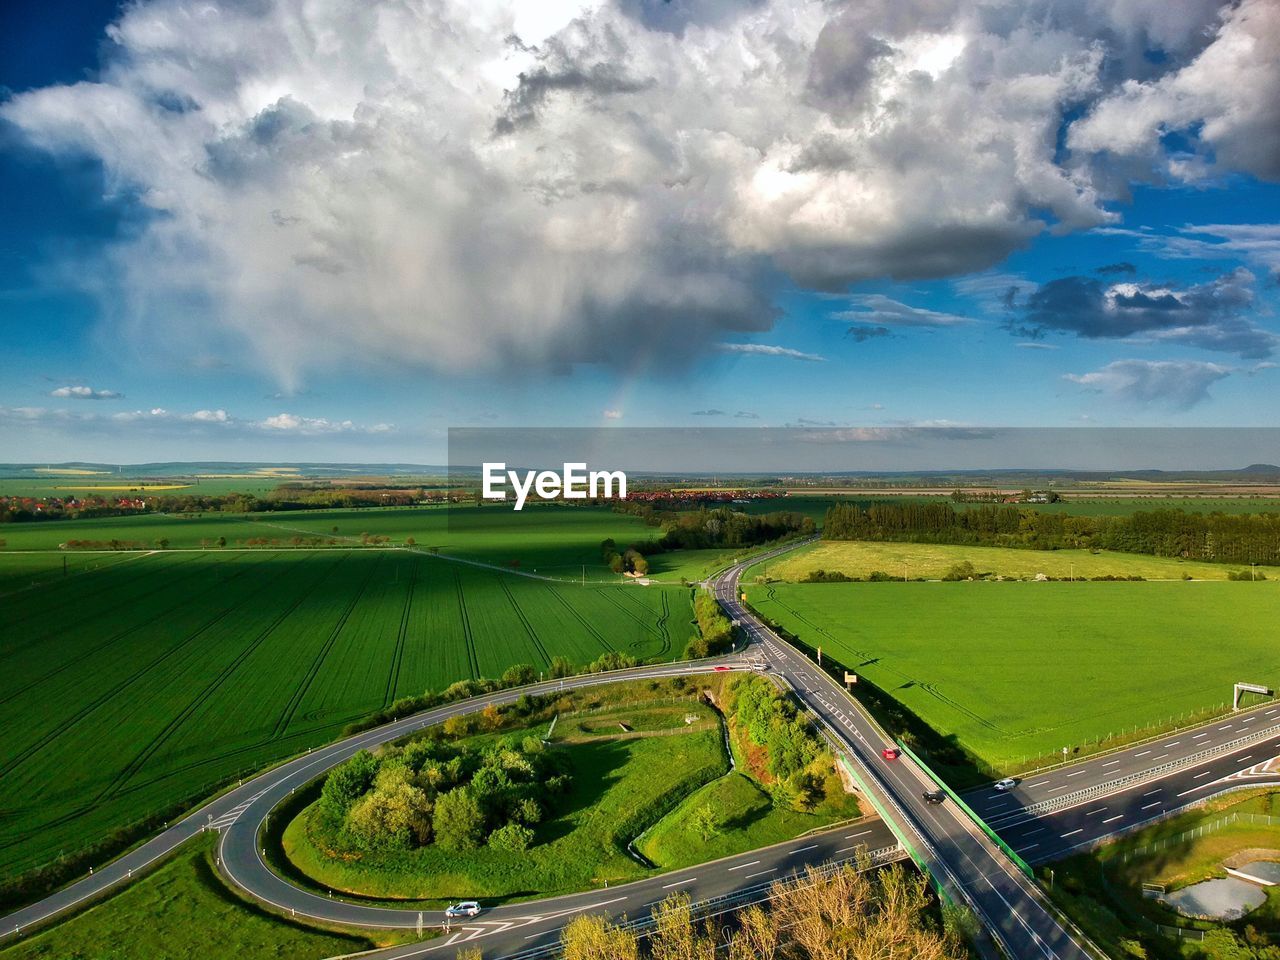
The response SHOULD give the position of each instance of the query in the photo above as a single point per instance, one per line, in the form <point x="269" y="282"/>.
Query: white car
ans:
<point x="467" y="908"/>
<point x="1008" y="783"/>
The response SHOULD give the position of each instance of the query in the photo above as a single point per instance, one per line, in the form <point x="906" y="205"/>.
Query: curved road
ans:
<point x="1044" y="817"/>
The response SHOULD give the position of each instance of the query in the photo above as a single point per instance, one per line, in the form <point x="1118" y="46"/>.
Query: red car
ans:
<point x="889" y="753"/>
<point x="718" y="669"/>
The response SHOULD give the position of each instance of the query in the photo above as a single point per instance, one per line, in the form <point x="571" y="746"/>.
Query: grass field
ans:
<point x="1018" y="670"/>
<point x="138" y="685"/>
<point x="177" y="913"/>
<point x="930" y="561"/>
<point x="619" y="786"/>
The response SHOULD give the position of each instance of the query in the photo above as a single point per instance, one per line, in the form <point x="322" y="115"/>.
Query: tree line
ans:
<point x="1215" y="537"/>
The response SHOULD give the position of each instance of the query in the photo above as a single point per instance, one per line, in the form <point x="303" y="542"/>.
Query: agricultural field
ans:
<point x="1015" y="671"/>
<point x="137" y="686"/>
<point x="861" y="558"/>
<point x="175" y="913"/>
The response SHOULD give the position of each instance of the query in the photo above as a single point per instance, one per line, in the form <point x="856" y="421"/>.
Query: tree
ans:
<point x="458" y="821"/>
<point x="222" y="541"/>
<point x="346" y="783"/>
<point x="640" y="565"/>
<point x="560" y="667"/>
<point x="595" y="938"/>
<point x="410" y="542"/>
<point x="518" y="675"/>
<point x="703" y="820"/>
<point x="513" y="837"/>
<point x="490" y="717"/>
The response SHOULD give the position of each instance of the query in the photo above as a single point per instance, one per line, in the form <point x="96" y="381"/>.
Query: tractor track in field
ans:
<point x="295" y="700"/>
<point x="115" y="638"/>
<point x="644" y="624"/>
<point x="68" y="724"/>
<point x="397" y="658"/>
<point x="466" y="625"/>
<point x="586" y="624"/>
<point x="97" y="614"/>
<point x="662" y="623"/>
<point x="60" y="579"/>
<point x="153" y="746"/>
<point x="533" y="635"/>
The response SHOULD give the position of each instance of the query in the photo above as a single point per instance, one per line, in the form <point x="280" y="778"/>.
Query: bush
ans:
<point x="513" y="837"/>
<point x="458" y="821"/>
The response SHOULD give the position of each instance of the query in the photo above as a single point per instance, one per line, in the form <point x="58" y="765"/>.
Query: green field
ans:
<point x="860" y="558"/>
<point x="1016" y="671"/>
<point x="138" y="685"/>
<point x="556" y="541"/>
<point x="175" y="913"/>
<point x="619" y="785"/>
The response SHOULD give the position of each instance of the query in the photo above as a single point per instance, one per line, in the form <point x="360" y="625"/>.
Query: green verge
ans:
<point x="743" y="815"/>
<point x="176" y="913"/>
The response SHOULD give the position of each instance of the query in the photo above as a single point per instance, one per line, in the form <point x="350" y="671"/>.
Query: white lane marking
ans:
<point x="812" y="846"/>
<point x="1039" y="783"/>
<point x="1107" y="763"/>
<point x="1161" y="757"/>
<point x="1152" y="793"/>
<point x="1155" y="803"/>
<point x="1199" y="736"/>
<point x="1173" y="743"/>
<point x="1099" y="810"/>
<point x="853" y="835"/>
<point x="1142" y="754"/>
<point x="1077" y="773"/>
<point x="1028" y="847"/>
<point x="1226" y="726"/>
<point x="1118" y="816"/>
<point x="758" y="874"/>
<point x="1199" y="775"/>
<point x="668" y="886"/>
<point x="1073" y="833"/>
<point x="742" y="866"/>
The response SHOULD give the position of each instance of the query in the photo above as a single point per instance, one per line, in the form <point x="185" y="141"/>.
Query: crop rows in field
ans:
<point x="137" y="685"/>
<point x="1019" y="670"/>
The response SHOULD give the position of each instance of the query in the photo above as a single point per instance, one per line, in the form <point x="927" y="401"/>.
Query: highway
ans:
<point x="1045" y="816"/>
<point x="969" y="866"/>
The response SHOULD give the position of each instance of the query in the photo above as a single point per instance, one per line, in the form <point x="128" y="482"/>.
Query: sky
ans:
<point x="285" y="230"/>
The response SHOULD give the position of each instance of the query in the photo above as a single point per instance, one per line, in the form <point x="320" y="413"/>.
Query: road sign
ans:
<point x="850" y="678"/>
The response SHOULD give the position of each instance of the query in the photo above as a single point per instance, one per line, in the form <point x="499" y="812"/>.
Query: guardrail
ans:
<point x="1141" y="776"/>
<point x="982" y="824"/>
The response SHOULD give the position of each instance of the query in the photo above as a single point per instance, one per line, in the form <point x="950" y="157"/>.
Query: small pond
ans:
<point x="1228" y="899"/>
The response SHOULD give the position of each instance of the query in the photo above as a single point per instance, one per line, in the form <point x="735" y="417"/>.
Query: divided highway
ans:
<point x="1045" y="816"/>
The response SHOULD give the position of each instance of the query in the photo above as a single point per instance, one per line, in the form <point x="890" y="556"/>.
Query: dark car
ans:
<point x="934" y="796"/>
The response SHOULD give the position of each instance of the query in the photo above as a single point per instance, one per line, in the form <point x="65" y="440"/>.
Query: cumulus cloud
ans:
<point x="1214" y="315"/>
<point x="1216" y="101"/>
<point x="458" y="186"/>
<point x="161" y="421"/>
<point x="770" y="350"/>
<point x="1177" y="384"/>
<point x="710" y="412"/>
<point x="84" y="393"/>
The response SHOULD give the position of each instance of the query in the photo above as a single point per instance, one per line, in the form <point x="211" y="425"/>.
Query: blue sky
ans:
<point x="808" y="264"/>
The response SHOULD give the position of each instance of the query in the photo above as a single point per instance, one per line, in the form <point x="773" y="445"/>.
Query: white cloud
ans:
<point x="220" y="422"/>
<point x="877" y="308"/>
<point x="770" y="350"/>
<point x="1224" y="98"/>
<point x="1177" y="384"/>
<point x="84" y="393"/>
<point x="612" y="414"/>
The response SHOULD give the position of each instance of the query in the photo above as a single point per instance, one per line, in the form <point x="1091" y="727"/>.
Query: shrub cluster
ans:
<point x="798" y="759"/>
<point x="430" y="791"/>
<point x="715" y="631"/>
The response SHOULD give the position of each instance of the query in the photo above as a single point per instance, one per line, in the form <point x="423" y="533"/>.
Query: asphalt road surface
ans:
<point x="1045" y="816"/>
